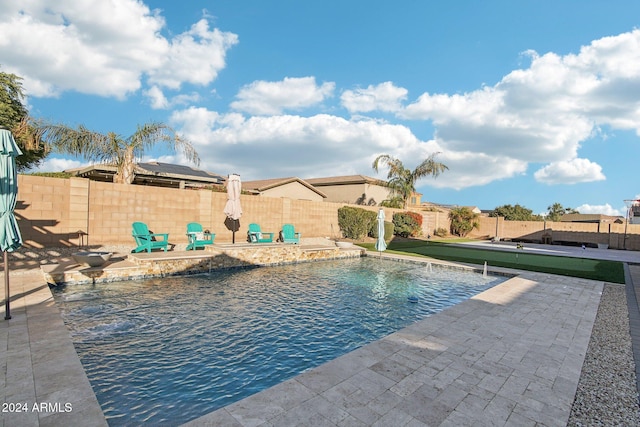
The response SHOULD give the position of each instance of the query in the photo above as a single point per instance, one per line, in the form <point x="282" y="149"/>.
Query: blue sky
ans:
<point x="529" y="102"/>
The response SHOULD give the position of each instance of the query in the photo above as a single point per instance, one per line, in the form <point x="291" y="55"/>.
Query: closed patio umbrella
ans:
<point x="232" y="209"/>
<point x="380" y="243"/>
<point x="10" y="238"/>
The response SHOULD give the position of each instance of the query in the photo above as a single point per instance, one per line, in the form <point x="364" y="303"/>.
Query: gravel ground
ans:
<point x="607" y="393"/>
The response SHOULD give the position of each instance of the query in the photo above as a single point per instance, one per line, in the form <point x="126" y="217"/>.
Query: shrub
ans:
<point x="355" y="223"/>
<point x="417" y="217"/>
<point x="52" y="174"/>
<point x="463" y="220"/>
<point x="441" y="232"/>
<point x="407" y="224"/>
<point x="388" y="231"/>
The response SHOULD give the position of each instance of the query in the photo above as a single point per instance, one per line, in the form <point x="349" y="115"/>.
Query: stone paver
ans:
<point x="44" y="382"/>
<point x="510" y="356"/>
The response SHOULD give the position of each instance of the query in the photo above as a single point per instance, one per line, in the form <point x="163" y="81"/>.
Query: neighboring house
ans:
<point x="292" y="188"/>
<point x="354" y="189"/>
<point x="415" y="199"/>
<point x="474" y="209"/>
<point x="154" y="173"/>
<point x="634" y="213"/>
<point x="592" y="218"/>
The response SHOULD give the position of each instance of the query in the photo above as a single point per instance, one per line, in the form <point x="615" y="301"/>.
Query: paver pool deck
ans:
<point x="511" y="356"/>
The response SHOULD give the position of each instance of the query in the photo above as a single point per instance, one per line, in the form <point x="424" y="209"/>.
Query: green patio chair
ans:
<point x="289" y="234"/>
<point x="198" y="238"/>
<point x="147" y="241"/>
<point x="255" y="235"/>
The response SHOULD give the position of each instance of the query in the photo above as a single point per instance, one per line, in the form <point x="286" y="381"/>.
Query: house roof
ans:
<point x="343" y="180"/>
<point x="590" y="218"/>
<point x="153" y="173"/>
<point x="266" y="184"/>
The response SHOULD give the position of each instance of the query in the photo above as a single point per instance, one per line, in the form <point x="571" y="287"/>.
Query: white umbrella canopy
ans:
<point x="232" y="209"/>
<point x="381" y="245"/>
<point x="10" y="238"/>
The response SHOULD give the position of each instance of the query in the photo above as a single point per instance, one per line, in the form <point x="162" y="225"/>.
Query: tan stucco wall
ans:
<point x="293" y="190"/>
<point x="612" y="235"/>
<point x="50" y="212"/>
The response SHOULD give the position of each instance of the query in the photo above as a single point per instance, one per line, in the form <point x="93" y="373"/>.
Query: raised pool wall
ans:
<point x="56" y="212"/>
<point x="162" y="264"/>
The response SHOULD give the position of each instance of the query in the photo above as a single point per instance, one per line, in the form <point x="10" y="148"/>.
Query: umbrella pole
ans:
<point x="233" y="236"/>
<point x="7" y="312"/>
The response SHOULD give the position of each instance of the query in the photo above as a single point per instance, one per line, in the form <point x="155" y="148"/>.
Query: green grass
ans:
<point x="586" y="268"/>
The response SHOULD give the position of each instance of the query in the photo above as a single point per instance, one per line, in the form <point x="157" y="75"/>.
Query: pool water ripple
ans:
<point x="164" y="351"/>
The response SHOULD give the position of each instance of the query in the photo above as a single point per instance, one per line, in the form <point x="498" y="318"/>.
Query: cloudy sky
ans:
<point x="530" y="102"/>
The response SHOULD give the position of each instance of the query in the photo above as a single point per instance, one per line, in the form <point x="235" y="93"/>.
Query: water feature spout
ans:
<point x="484" y="271"/>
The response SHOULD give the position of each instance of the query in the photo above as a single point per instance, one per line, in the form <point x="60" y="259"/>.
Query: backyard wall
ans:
<point x="69" y="212"/>
<point x="55" y="212"/>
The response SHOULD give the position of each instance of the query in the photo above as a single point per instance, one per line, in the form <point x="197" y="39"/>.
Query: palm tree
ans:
<point x="112" y="148"/>
<point x="402" y="181"/>
<point x="14" y="115"/>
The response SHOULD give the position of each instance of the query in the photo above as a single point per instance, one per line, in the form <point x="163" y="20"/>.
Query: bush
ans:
<point x="441" y="232"/>
<point x="407" y="224"/>
<point x="355" y="223"/>
<point x="52" y="174"/>
<point x="388" y="231"/>
<point x="463" y="220"/>
<point x="417" y="217"/>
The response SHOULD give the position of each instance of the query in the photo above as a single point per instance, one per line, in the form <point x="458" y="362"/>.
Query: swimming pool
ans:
<point x="165" y="351"/>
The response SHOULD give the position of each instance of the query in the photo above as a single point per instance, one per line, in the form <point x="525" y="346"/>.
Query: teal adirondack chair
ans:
<point x="255" y="235"/>
<point x="147" y="241"/>
<point x="289" y="234"/>
<point x="197" y="237"/>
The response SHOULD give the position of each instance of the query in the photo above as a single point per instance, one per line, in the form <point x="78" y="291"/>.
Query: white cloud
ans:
<point x="292" y="93"/>
<point x="104" y="48"/>
<point x="55" y="164"/>
<point x="195" y="56"/>
<point x="468" y="169"/>
<point x="158" y="101"/>
<point x="384" y="97"/>
<point x="288" y="145"/>
<point x="325" y="145"/>
<point x="543" y="113"/>
<point x="605" y="209"/>
<point x="570" y="172"/>
<point x="156" y="98"/>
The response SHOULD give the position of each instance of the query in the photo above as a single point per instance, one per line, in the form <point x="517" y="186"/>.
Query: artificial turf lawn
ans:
<point x="586" y="268"/>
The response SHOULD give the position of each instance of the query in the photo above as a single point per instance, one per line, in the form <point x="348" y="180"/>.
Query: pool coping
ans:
<point x="42" y="366"/>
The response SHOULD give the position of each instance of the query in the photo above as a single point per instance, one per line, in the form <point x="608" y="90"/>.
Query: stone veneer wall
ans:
<point x="184" y="263"/>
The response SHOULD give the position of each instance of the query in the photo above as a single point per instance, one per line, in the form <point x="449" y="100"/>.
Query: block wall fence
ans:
<point x="56" y="212"/>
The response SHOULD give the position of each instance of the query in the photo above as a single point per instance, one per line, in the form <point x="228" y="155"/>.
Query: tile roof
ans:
<point x="155" y="171"/>
<point x="266" y="184"/>
<point x="590" y="218"/>
<point x="345" y="179"/>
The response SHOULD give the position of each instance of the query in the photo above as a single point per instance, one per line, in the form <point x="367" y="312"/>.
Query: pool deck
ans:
<point x="510" y="356"/>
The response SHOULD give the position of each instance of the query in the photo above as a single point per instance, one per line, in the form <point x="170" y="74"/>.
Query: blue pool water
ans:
<point x="165" y="351"/>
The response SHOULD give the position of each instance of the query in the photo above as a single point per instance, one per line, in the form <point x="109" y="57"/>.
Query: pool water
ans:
<point x="165" y="351"/>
